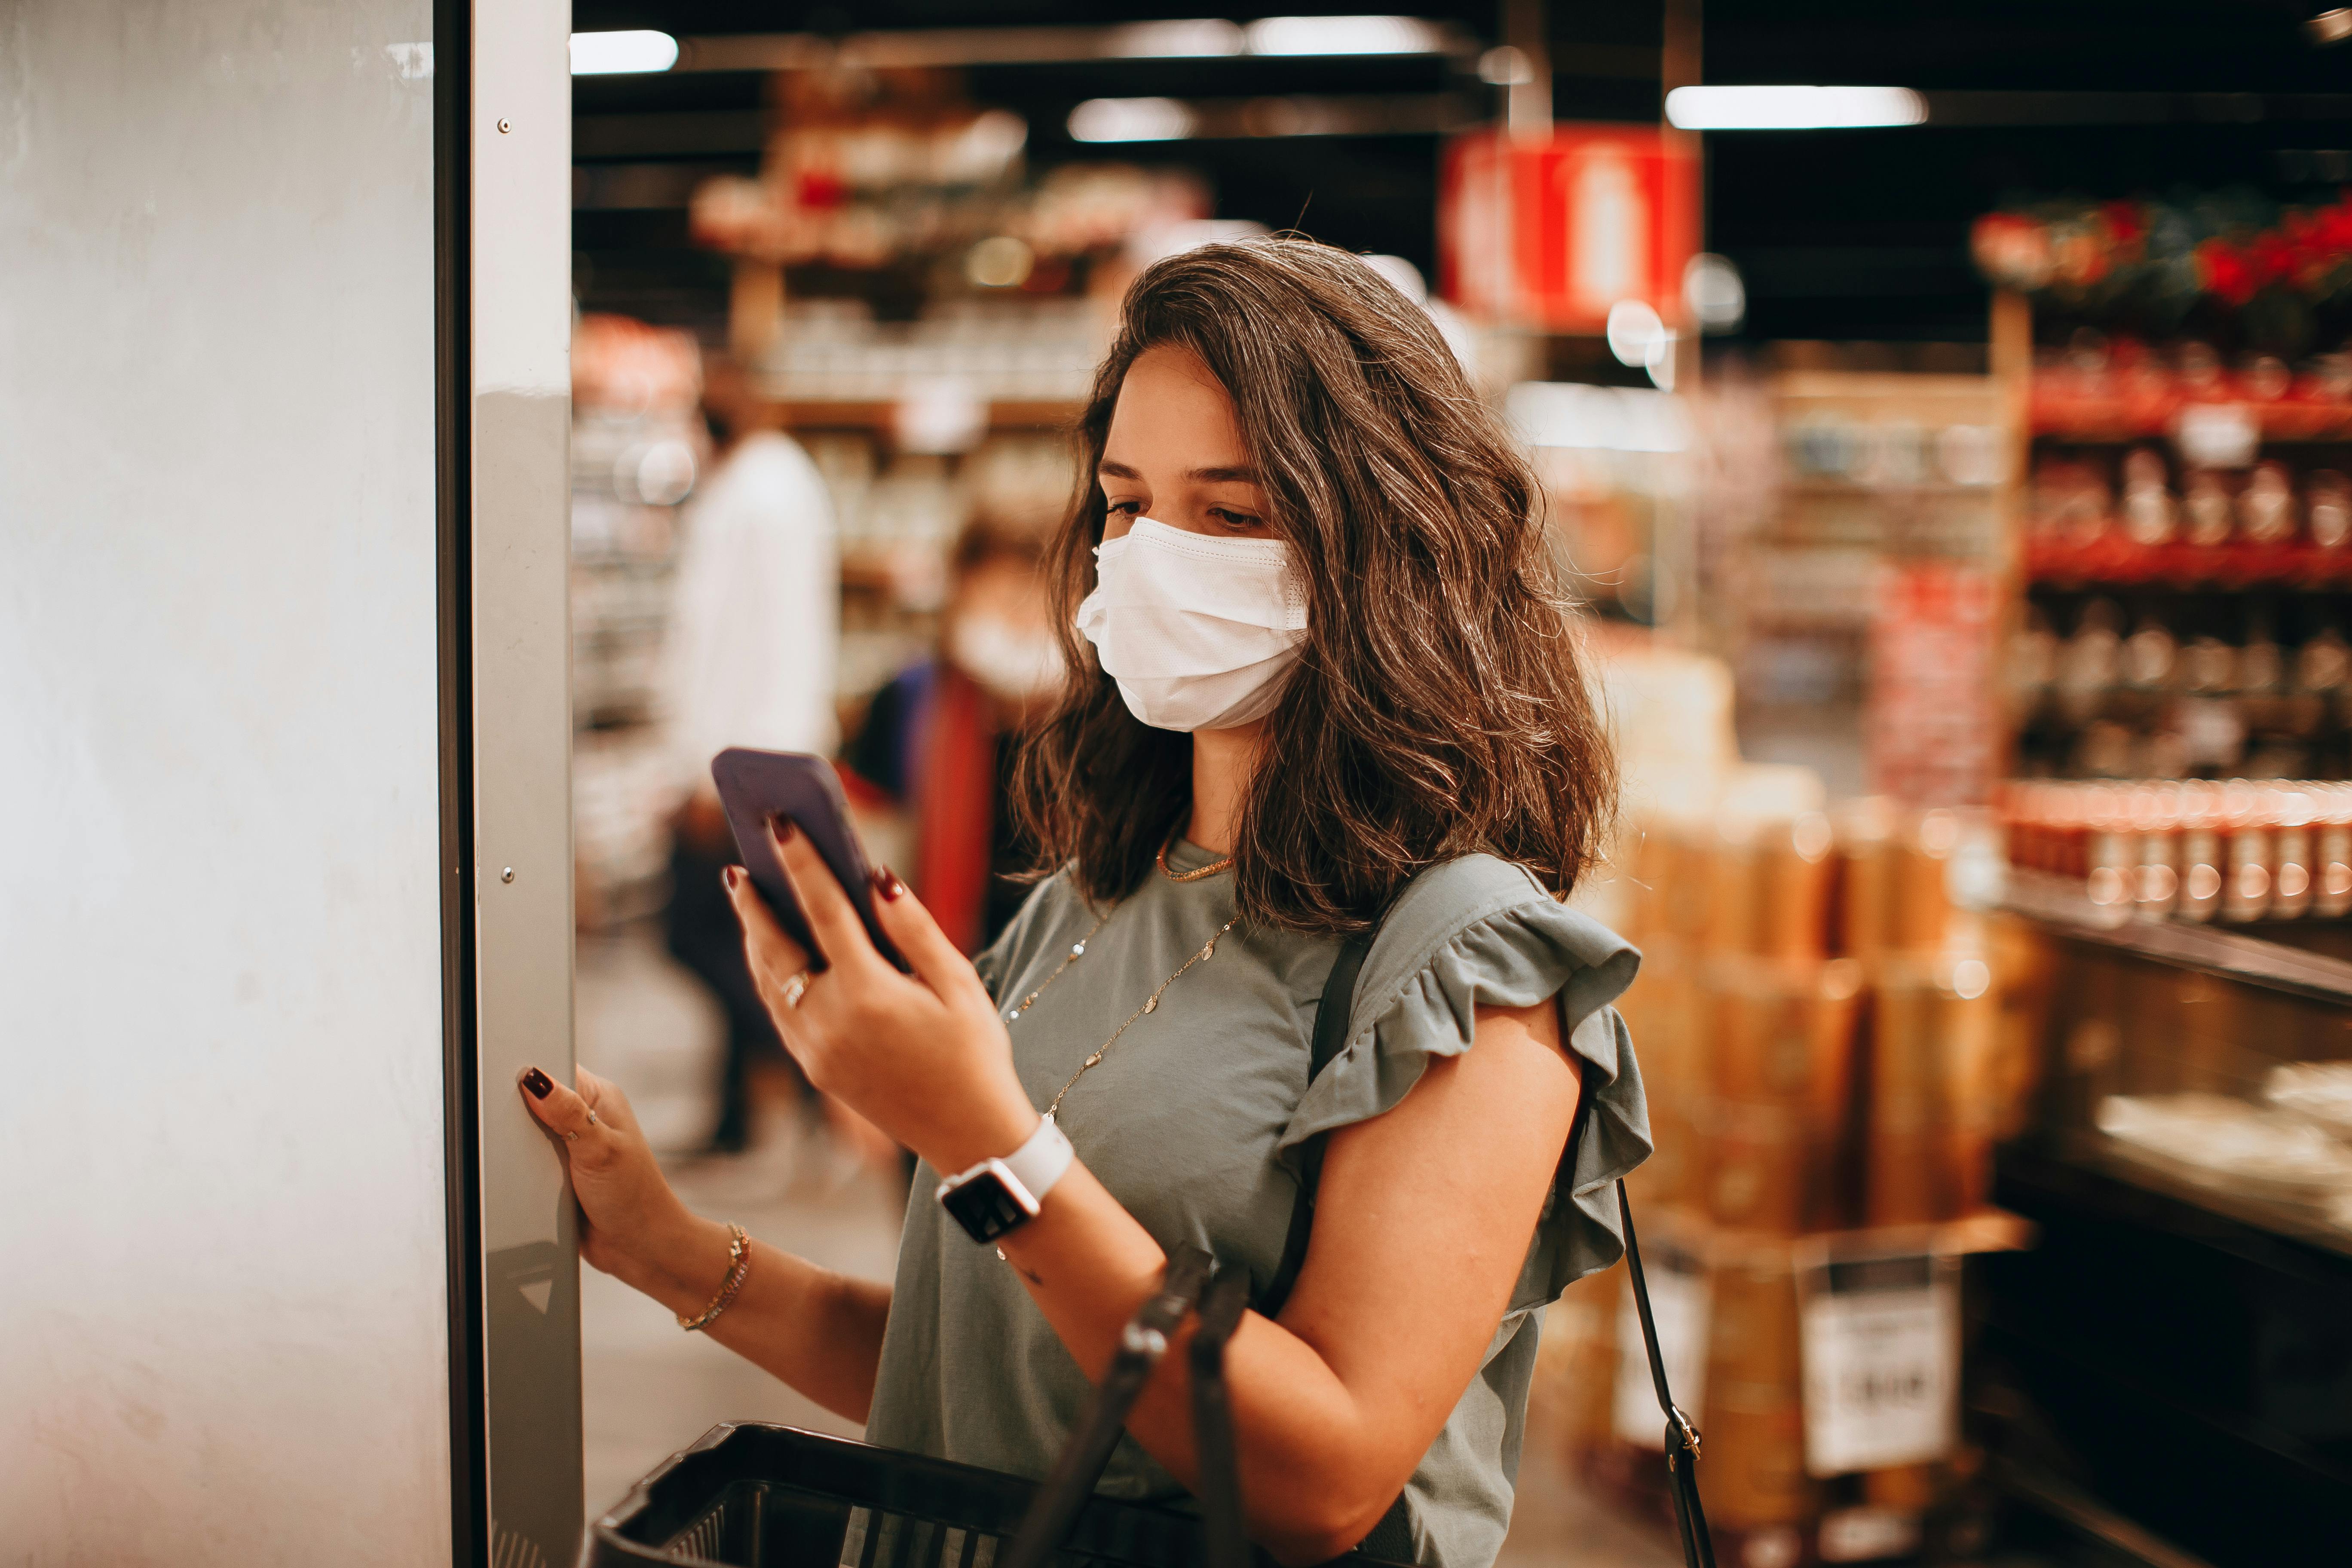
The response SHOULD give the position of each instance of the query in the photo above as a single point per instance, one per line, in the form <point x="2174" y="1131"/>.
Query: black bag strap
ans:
<point x="1331" y="1015"/>
<point x="1682" y="1437"/>
<point x="1145" y="1340"/>
<point x="1392" y="1538"/>
<point x="1140" y="1345"/>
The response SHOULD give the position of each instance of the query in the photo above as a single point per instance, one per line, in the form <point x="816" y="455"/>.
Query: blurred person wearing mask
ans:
<point x="937" y="741"/>
<point x="754" y="628"/>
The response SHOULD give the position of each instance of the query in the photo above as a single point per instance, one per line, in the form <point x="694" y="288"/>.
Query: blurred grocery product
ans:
<point x="2239" y="853"/>
<point x="1828" y="1061"/>
<point x="2216" y="1136"/>
<point x="2319" y="1092"/>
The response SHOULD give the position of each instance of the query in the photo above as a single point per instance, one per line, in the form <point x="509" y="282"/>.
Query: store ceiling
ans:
<point x="1848" y="235"/>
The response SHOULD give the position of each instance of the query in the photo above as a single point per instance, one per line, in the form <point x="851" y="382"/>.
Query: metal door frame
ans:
<point x="502" y="133"/>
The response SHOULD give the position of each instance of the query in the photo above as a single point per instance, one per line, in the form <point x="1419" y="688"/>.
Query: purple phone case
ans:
<point x="755" y="787"/>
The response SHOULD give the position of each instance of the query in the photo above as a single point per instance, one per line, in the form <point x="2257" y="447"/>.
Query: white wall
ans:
<point x="222" y="1330"/>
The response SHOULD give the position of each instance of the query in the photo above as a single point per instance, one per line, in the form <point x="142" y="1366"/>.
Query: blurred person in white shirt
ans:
<point x="749" y="661"/>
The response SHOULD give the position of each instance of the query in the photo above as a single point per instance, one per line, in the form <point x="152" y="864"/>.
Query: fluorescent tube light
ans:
<point x="1343" y="35"/>
<point x="624" y="53"/>
<point x="1130" y="120"/>
<point x="1173" y="40"/>
<point x="1792" y="108"/>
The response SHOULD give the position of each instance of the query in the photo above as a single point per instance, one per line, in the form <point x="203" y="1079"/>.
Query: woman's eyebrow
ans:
<point x="1237" y="476"/>
<point x="1116" y="470"/>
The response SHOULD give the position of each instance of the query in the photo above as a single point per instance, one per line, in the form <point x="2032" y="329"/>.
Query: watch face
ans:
<point x="984" y="1204"/>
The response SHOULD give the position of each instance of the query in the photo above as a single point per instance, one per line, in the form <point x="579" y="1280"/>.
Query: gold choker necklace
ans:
<point x="1211" y="869"/>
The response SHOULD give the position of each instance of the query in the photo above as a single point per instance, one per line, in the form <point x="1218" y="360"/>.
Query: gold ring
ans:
<point x="794" y="987"/>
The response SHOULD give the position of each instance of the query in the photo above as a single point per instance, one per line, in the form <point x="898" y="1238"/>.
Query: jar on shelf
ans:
<point x="2210" y="516"/>
<point x="2332" y="898"/>
<point x="2327" y="509"/>
<point x="2156" y="822"/>
<point x="2150" y="514"/>
<point x="2248" y="874"/>
<point x="2267" y="507"/>
<point x="2291" y="844"/>
<point x="2201" y="853"/>
<point x="2111" y="859"/>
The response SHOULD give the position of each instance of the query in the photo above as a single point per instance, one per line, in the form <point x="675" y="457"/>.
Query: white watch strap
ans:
<point x="1039" y="1163"/>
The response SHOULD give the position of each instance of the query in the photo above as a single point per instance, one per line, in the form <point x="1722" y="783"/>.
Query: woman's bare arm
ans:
<point x="1422" y="1228"/>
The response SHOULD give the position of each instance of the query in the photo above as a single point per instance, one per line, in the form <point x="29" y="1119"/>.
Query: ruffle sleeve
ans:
<point x="1481" y="931"/>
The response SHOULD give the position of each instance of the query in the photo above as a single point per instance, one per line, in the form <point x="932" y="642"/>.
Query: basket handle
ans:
<point x="1218" y="1482"/>
<point x="1140" y="1345"/>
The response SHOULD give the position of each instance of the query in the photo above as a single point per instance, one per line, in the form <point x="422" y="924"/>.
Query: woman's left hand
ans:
<point x="924" y="1056"/>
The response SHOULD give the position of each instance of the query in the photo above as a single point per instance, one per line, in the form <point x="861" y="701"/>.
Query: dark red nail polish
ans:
<point x="886" y="882"/>
<point x="784" y="829"/>
<point x="537" y="1083"/>
<point x="729" y="877"/>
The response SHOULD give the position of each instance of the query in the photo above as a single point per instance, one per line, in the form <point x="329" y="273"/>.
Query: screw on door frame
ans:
<point x="505" y="126"/>
<point x="506" y="875"/>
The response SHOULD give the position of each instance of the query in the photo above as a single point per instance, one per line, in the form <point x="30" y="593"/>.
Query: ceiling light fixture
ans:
<point x="622" y="54"/>
<point x="1793" y="107"/>
<point x="1173" y="40"/>
<point x="1343" y="35"/>
<point x="1130" y="120"/>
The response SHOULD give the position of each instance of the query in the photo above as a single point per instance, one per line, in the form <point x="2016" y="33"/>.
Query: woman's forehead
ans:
<point x="1172" y="414"/>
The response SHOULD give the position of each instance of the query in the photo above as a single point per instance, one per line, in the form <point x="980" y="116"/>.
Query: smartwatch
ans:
<point x="998" y="1196"/>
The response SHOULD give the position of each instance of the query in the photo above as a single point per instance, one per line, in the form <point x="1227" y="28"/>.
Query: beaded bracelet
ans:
<point x="739" y="1259"/>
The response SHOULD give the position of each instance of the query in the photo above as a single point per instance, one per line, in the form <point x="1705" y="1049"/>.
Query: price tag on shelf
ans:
<point x="1679" y="1306"/>
<point x="1882" y="1351"/>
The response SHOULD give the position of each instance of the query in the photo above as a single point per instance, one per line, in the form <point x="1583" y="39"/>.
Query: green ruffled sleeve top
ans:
<point x="1194" y="1121"/>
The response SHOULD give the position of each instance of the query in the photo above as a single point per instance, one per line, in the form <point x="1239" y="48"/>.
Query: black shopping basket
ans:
<point x="755" y="1495"/>
<point x="750" y="1495"/>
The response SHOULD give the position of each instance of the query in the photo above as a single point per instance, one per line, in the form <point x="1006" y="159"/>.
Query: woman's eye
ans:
<point x="1239" y="522"/>
<point x="1128" y="508"/>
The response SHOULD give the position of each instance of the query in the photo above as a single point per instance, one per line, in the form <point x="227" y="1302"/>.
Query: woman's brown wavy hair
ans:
<point x="1436" y="708"/>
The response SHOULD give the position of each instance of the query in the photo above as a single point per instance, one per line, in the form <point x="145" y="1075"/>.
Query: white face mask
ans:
<point x="1012" y="664"/>
<point x="1198" y="632"/>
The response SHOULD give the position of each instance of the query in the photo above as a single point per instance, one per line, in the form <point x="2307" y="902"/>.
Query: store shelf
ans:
<point x="2086" y="1518"/>
<point x="878" y="414"/>
<point x="1985" y="1230"/>
<point x="1890" y="491"/>
<point x="2059" y="906"/>
<point x="2180" y="1365"/>
<point x="2092" y="425"/>
<point x="2115" y="559"/>
<point x="2182" y="1183"/>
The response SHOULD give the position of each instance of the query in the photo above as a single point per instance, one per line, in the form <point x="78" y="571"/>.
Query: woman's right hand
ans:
<point x="632" y="1225"/>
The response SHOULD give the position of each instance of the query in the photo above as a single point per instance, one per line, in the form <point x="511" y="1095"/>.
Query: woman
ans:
<point x="1324" y="684"/>
<point x="938" y="741"/>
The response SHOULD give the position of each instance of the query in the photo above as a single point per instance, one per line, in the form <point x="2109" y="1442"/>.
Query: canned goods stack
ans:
<point x="1822" y="1040"/>
<point x="2236" y="853"/>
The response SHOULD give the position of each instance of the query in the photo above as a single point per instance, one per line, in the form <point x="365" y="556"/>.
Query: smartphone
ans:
<point x="756" y="786"/>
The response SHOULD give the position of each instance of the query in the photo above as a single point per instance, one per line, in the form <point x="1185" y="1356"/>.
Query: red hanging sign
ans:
<point x="1552" y="232"/>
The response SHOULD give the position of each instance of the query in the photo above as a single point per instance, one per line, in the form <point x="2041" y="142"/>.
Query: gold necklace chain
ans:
<point x="1077" y="951"/>
<point x="1151" y="1005"/>
<point x="1211" y="869"/>
<point x="1078" y="948"/>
